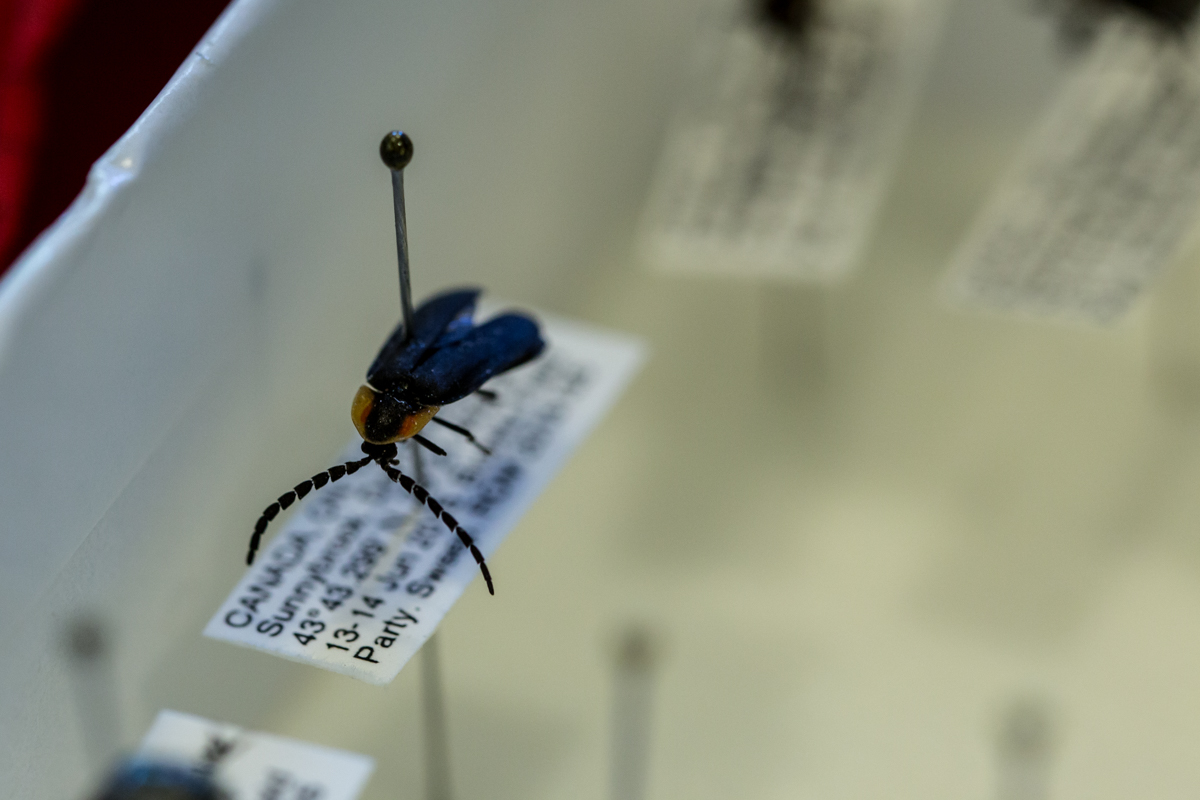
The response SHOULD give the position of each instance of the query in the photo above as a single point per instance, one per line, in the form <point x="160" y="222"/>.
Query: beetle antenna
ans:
<point x="422" y="496"/>
<point x="470" y="437"/>
<point x="428" y="445"/>
<point x="330" y="475"/>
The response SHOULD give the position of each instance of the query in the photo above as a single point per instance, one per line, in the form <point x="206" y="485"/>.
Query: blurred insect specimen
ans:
<point x="436" y="356"/>
<point x="142" y="778"/>
<point x="791" y="18"/>
<point x="1079" y="21"/>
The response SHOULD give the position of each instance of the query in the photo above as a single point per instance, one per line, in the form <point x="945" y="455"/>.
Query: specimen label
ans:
<point x="777" y="161"/>
<point x="1103" y="192"/>
<point x="258" y="765"/>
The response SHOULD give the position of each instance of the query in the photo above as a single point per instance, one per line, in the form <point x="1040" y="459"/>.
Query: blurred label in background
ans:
<point x="361" y="575"/>
<point x="1103" y="192"/>
<point x="791" y="121"/>
<point x="257" y="765"/>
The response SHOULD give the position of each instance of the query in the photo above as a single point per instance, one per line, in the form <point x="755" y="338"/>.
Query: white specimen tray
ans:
<point x="865" y="525"/>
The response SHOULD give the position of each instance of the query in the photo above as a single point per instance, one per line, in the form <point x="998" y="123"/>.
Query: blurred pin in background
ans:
<point x="1024" y="749"/>
<point x="433" y="718"/>
<point x="632" y="714"/>
<point x="89" y="653"/>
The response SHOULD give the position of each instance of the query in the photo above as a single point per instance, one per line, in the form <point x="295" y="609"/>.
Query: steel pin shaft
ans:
<point x="396" y="150"/>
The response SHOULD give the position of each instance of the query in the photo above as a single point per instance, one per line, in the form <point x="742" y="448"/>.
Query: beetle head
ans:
<point x="383" y="419"/>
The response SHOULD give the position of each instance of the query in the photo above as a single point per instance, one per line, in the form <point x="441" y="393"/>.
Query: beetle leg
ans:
<point x="428" y="445"/>
<point x="470" y="437"/>
<point x="488" y="395"/>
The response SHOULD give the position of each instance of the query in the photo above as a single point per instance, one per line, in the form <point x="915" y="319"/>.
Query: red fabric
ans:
<point x="74" y="75"/>
<point x="28" y="31"/>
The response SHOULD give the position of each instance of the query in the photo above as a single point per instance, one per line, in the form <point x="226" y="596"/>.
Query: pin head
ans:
<point x="396" y="150"/>
<point x="86" y="639"/>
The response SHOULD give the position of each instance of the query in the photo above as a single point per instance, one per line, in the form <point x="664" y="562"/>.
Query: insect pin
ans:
<point x="436" y="356"/>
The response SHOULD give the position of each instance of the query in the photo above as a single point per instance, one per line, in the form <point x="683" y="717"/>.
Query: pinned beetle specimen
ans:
<point x="436" y="356"/>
